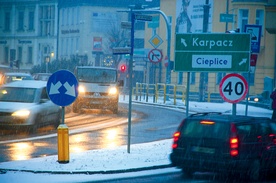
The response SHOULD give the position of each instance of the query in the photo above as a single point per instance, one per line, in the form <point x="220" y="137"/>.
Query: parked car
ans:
<point x="26" y="105"/>
<point x="227" y="144"/>
<point x="42" y="76"/>
<point x="15" y="76"/>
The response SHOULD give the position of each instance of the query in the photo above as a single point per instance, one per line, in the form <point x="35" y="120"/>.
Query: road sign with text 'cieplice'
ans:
<point x="212" y="52"/>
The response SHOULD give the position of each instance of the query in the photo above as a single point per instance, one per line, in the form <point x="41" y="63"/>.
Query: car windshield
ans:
<point x="17" y="78"/>
<point x="12" y="94"/>
<point x="196" y="129"/>
<point x="96" y="75"/>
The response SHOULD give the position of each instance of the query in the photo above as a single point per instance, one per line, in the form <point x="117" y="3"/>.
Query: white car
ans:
<point x="25" y="105"/>
<point x="14" y="76"/>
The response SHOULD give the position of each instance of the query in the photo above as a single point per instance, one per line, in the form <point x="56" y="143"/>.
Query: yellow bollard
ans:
<point x="63" y="144"/>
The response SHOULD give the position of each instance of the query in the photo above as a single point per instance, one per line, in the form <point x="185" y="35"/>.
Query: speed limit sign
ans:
<point x="233" y="88"/>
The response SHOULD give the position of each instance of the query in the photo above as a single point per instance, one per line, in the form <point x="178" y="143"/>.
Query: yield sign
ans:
<point x="62" y="88"/>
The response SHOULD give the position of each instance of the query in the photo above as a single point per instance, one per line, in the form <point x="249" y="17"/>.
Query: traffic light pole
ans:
<point x="168" y="25"/>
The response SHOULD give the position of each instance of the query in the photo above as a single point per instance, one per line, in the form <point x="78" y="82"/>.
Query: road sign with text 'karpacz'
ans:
<point x="212" y="52"/>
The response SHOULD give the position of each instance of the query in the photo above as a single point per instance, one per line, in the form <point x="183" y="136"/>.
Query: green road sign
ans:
<point x="212" y="52"/>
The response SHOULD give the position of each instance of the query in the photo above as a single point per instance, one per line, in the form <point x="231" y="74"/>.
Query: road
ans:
<point x="94" y="130"/>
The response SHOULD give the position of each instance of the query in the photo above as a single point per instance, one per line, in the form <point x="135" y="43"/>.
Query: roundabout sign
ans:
<point x="233" y="88"/>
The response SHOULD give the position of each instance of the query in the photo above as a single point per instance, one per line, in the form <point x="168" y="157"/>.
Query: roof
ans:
<point x="17" y="74"/>
<point x="26" y="84"/>
<point x="224" y="117"/>
<point x="110" y="3"/>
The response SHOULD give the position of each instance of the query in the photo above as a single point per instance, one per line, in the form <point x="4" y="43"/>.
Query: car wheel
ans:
<point x="254" y="170"/>
<point x="115" y="110"/>
<point x="187" y="172"/>
<point x="76" y="109"/>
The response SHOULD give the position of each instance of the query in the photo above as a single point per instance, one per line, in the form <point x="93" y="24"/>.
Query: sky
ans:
<point x="101" y="162"/>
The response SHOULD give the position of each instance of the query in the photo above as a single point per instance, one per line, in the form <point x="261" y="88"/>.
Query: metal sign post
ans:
<point x="62" y="89"/>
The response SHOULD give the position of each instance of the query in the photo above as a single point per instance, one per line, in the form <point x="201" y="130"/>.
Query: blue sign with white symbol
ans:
<point x="62" y="88"/>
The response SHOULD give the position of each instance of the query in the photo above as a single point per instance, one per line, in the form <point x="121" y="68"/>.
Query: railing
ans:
<point x="159" y="90"/>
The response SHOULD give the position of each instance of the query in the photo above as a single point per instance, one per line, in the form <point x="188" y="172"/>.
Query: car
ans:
<point x="15" y="76"/>
<point x="42" y="76"/>
<point x="225" y="144"/>
<point x="25" y="105"/>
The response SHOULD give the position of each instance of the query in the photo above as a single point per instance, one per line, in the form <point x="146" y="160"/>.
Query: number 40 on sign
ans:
<point x="233" y="88"/>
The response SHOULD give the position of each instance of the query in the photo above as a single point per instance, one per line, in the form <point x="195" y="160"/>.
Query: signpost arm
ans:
<point x="130" y="79"/>
<point x="187" y="94"/>
<point x="168" y="25"/>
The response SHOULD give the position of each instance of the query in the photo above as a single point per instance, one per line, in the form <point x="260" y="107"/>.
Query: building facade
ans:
<point x="242" y="13"/>
<point x="28" y="32"/>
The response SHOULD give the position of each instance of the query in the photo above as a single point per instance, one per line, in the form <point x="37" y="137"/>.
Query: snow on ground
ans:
<point x="98" y="164"/>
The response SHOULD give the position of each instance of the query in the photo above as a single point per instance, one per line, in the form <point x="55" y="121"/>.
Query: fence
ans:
<point x="164" y="92"/>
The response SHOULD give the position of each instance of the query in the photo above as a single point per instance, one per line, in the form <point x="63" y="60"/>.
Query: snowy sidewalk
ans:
<point x="142" y="156"/>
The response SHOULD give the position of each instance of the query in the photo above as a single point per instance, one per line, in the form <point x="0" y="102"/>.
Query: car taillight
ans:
<point x="234" y="141"/>
<point x="175" y="139"/>
<point x="273" y="137"/>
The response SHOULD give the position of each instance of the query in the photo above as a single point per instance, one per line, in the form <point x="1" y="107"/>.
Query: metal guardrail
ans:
<point x="159" y="90"/>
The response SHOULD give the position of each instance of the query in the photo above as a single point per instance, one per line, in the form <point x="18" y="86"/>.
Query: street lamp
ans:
<point x="47" y="59"/>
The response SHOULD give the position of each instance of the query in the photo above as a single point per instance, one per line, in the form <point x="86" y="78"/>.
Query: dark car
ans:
<point x="226" y="144"/>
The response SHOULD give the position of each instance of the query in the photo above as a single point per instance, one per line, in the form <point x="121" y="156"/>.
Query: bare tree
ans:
<point x="117" y="37"/>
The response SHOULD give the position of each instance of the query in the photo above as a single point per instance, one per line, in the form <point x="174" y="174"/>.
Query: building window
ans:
<point x="30" y="55"/>
<point x="31" y="20"/>
<point x="20" y="21"/>
<point x="68" y="16"/>
<point x="47" y="20"/>
<point x="7" y="21"/>
<point x="78" y="15"/>
<point x="19" y="54"/>
<point x="73" y="16"/>
<point x="6" y="55"/>
<point x="62" y="17"/>
<point x="219" y="77"/>
<point x="243" y="19"/>
<point x="260" y="19"/>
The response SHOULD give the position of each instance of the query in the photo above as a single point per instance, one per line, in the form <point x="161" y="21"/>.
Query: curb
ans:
<point x="3" y="171"/>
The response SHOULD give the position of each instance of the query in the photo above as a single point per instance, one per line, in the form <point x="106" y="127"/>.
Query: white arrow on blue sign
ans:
<point x="62" y="88"/>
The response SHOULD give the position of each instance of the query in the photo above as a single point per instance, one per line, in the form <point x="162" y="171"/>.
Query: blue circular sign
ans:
<point x="62" y="88"/>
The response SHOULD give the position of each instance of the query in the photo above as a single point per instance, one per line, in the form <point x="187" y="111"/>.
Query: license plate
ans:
<point x="203" y="150"/>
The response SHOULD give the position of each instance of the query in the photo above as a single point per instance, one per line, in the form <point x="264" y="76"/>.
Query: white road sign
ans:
<point x="233" y="88"/>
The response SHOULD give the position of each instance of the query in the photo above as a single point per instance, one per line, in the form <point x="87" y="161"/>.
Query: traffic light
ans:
<point x="123" y="68"/>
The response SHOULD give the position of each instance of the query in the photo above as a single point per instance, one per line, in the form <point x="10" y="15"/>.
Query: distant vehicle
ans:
<point x="98" y="88"/>
<point x="26" y="105"/>
<point x="15" y="76"/>
<point x="41" y="76"/>
<point x="232" y="145"/>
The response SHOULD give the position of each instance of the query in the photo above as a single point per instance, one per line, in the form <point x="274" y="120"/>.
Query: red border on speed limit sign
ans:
<point x="233" y="88"/>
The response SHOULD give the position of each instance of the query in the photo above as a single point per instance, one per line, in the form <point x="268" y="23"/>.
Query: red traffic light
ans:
<point x="123" y="68"/>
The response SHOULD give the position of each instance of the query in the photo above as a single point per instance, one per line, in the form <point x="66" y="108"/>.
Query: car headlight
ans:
<point x="21" y="113"/>
<point x="112" y="91"/>
<point x="81" y="89"/>
<point x="256" y="99"/>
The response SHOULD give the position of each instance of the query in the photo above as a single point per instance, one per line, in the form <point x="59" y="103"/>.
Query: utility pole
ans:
<point x="203" y="75"/>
